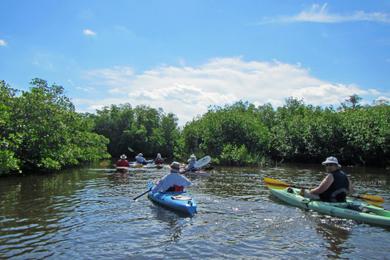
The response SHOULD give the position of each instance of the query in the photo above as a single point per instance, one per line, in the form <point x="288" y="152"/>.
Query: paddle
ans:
<point x="202" y="162"/>
<point x="274" y="182"/>
<point x="198" y="164"/>
<point x="142" y="194"/>
<point x="150" y="186"/>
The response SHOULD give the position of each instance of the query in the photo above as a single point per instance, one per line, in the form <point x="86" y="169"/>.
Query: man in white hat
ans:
<point x="122" y="162"/>
<point x="173" y="181"/>
<point x="191" y="163"/>
<point x="334" y="187"/>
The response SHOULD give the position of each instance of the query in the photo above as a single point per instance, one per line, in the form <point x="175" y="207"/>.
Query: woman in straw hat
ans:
<point x="334" y="187"/>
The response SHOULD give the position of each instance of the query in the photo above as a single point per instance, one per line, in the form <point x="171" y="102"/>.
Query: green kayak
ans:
<point x="352" y="209"/>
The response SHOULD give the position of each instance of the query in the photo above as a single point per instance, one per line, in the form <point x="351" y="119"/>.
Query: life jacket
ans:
<point x="158" y="161"/>
<point x="176" y="188"/>
<point x="122" y="163"/>
<point x="337" y="192"/>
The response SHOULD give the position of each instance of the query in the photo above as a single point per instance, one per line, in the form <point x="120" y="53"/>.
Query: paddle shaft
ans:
<point x="142" y="194"/>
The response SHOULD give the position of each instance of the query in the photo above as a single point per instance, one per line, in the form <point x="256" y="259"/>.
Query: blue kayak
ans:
<point x="177" y="201"/>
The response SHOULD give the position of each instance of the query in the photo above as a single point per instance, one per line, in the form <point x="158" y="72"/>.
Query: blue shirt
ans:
<point x="140" y="159"/>
<point x="171" y="179"/>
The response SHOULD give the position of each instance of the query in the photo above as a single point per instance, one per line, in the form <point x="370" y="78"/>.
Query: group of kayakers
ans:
<point x="140" y="159"/>
<point x="333" y="188"/>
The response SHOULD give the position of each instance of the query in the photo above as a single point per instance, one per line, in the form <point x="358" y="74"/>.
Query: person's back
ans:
<point x="122" y="162"/>
<point x="159" y="159"/>
<point x="173" y="181"/>
<point x="140" y="159"/>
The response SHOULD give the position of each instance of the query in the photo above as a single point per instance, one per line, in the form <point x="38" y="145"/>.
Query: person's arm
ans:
<point x="324" y="185"/>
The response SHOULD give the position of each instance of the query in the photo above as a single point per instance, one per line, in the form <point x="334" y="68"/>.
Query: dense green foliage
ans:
<point x="41" y="130"/>
<point x="140" y="129"/>
<point x="244" y="134"/>
<point x="231" y="135"/>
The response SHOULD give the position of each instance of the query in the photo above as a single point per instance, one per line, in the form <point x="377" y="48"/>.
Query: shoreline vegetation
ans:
<point x="41" y="131"/>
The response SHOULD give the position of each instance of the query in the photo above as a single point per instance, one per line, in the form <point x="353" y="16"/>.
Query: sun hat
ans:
<point x="175" y="165"/>
<point x="331" y="160"/>
<point x="192" y="156"/>
<point x="123" y="157"/>
<point x="140" y="154"/>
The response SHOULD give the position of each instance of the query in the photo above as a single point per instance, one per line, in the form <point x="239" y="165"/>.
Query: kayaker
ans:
<point x="122" y="162"/>
<point x="191" y="163"/>
<point x="140" y="159"/>
<point x="334" y="187"/>
<point x="159" y="159"/>
<point x="173" y="181"/>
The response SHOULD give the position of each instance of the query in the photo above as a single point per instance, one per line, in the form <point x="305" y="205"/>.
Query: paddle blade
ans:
<point x="274" y="182"/>
<point x="375" y="198"/>
<point x="202" y="162"/>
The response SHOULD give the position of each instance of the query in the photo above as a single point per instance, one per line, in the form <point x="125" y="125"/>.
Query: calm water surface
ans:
<point x="89" y="213"/>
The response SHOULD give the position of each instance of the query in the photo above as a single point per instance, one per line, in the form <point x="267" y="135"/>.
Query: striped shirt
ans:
<point x="169" y="180"/>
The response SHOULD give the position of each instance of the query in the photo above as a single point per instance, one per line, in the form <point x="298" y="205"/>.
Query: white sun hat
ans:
<point x="175" y="165"/>
<point x="331" y="160"/>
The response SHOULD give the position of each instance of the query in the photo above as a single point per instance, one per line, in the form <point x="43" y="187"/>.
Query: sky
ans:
<point x="185" y="56"/>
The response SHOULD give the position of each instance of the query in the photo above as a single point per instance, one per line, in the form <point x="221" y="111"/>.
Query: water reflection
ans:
<point x="335" y="233"/>
<point x="174" y="221"/>
<point x="119" y="177"/>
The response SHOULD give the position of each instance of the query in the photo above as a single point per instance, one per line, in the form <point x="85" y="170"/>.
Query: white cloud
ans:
<point x="3" y="42"/>
<point x="188" y="91"/>
<point x="319" y="14"/>
<point x="89" y="32"/>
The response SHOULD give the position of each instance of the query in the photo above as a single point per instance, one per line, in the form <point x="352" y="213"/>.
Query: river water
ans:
<point x="89" y="214"/>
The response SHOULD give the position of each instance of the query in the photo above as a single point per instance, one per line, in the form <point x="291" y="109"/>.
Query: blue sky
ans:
<point x="184" y="56"/>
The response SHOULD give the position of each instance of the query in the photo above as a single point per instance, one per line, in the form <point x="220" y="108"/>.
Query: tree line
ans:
<point x="41" y="131"/>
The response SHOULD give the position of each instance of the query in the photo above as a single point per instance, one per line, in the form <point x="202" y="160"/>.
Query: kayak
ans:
<point x="122" y="169"/>
<point x="153" y="166"/>
<point x="135" y="165"/>
<point x="146" y="166"/>
<point x="351" y="209"/>
<point x="177" y="201"/>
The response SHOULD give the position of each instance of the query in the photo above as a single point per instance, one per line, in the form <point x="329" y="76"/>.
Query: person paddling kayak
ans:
<point x="173" y="181"/>
<point x="334" y="187"/>
<point x="140" y="159"/>
<point x="159" y="159"/>
<point x="122" y="162"/>
<point x="191" y="163"/>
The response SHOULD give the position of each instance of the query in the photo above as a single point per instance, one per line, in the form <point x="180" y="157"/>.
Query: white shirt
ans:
<point x="171" y="179"/>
